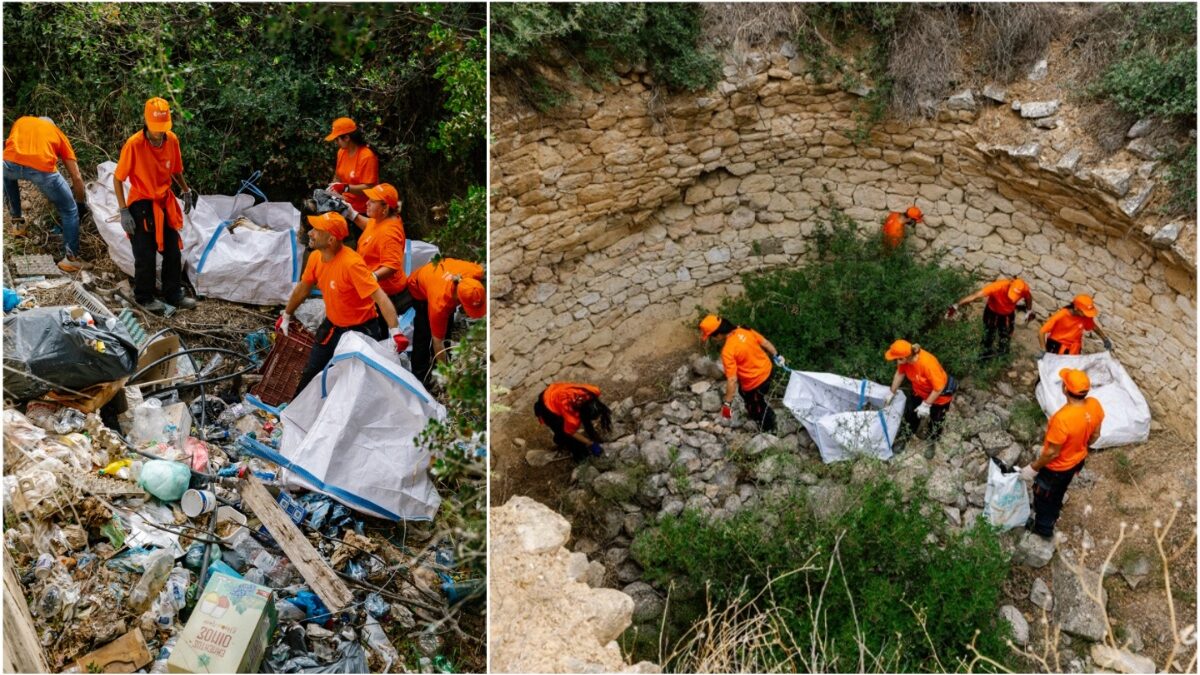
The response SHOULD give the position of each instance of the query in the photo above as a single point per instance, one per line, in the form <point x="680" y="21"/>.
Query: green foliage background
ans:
<point x="256" y="86"/>
<point x="891" y="570"/>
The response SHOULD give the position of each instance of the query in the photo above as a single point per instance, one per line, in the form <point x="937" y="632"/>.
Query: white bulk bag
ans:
<point x="1006" y="499"/>
<point x="103" y="203"/>
<point x="351" y="433"/>
<point x="244" y="265"/>
<point x="1126" y="413"/>
<point x="844" y="416"/>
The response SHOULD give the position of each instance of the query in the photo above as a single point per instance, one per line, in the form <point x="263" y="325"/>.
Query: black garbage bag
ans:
<point x="47" y="349"/>
<point x="324" y="201"/>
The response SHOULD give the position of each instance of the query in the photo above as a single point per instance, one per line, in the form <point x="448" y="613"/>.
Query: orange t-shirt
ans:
<point x="563" y="399"/>
<point x="744" y="358"/>
<point x="927" y="376"/>
<point x="434" y="284"/>
<point x="1067" y="329"/>
<point x="346" y="286"/>
<point x="893" y="229"/>
<point x="356" y="169"/>
<point x="37" y="144"/>
<point x="382" y="245"/>
<point x="1071" y="428"/>
<point x="149" y="169"/>
<point x="997" y="297"/>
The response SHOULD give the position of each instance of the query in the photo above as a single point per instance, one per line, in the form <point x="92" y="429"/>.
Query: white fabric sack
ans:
<point x="1126" y="413"/>
<point x="351" y="433"/>
<point x="417" y="254"/>
<point x="844" y="416"/>
<point x="244" y="265"/>
<point x="1006" y="499"/>
<point x="103" y="202"/>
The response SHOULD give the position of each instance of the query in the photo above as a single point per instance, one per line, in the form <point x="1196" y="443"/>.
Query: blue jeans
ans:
<point x="56" y="189"/>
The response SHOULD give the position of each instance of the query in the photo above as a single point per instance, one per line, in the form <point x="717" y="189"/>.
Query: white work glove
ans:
<point x="1028" y="474"/>
<point x="890" y="397"/>
<point x="281" y="325"/>
<point x="127" y="222"/>
<point x="923" y="410"/>
<point x="189" y="200"/>
<point x="349" y="213"/>
<point x="779" y="361"/>
<point x="1029" y="316"/>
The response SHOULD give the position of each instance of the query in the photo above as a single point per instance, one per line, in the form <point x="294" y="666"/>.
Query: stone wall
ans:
<point x="625" y="207"/>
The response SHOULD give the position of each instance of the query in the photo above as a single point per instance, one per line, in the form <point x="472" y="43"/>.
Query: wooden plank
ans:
<point x="319" y="575"/>
<point x="22" y="649"/>
<point x="126" y="654"/>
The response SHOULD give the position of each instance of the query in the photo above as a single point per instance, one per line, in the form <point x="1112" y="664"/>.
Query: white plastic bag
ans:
<point x="1006" y="500"/>
<point x="1126" y="413"/>
<point x="256" y="265"/>
<point x="845" y="417"/>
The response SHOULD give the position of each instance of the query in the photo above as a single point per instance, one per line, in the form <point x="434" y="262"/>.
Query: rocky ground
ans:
<point x="673" y="453"/>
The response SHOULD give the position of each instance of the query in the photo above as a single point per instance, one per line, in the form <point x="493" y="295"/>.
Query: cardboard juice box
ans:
<point x="228" y="631"/>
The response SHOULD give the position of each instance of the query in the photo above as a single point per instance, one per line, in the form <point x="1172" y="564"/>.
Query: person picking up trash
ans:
<point x="747" y="357"/>
<point x="1063" y="331"/>
<point x="150" y="214"/>
<point x="32" y="152"/>
<point x="579" y="419"/>
<point x="1069" y="434"/>
<point x="382" y="242"/>
<point x="349" y="290"/>
<point x="999" y="315"/>
<point x="933" y="390"/>
<point x="437" y="289"/>
<point x="896" y="224"/>
<point x="357" y="165"/>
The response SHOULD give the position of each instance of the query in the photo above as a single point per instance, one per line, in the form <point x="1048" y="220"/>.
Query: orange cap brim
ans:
<point x="332" y="136"/>
<point x="158" y="127"/>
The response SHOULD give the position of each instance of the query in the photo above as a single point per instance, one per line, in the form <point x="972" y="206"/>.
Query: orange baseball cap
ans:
<point x="915" y="213"/>
<point x="383" y="192"/>
<point x="158" y="115"/>
<point x="1016" y="289"/>
<point x="708" y="325"/>
<point x="473" y="298"/>
<point x="341" y="127"/>
<point x="331" y="222"/>
<point x="1085" y="306"/>
<point x="1076" y="381"/>
<point x="900" y="349"/>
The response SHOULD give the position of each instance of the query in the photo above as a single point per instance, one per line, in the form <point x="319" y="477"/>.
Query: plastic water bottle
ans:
<point x="164" y="654"/>
<point x="158" y="569"/>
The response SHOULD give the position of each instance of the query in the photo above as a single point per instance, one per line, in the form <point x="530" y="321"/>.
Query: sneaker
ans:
<point x="185" y="303"/>
<point x="155" y="306"/>
<point x="19" y="227"/>
<point x="72" y="265"/>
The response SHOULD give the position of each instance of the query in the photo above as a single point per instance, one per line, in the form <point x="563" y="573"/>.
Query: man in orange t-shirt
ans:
<point x="1069" y="434"/>
<point x="382" y="242"/>
<point x="357" y="165"/>
<point x="32" y="152"/>
<point x="150" y="214"/>
<point x="349" y="290"/>
<point x="933" y="390"/>
<point x="579" y="419"/>
<point x="999" y="315"/>
<point x="438" y="288"/>
<point x="1063" y="331"/>
<point x="747" y="357"/>
<point x="896" y="223"/>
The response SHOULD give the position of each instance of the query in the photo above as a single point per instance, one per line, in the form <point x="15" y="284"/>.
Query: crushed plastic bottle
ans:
<point x="69" y="421"/>
<point x="379" y="642"/>
<point x="158" y="569"/>
<point x="164" y="654"/>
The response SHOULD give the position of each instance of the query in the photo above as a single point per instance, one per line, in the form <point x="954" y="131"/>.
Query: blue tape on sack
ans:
<point x="373" y="364"/>
<point x="212" y="242"/>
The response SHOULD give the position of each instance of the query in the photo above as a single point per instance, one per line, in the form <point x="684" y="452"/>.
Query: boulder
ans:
<point x="1113" y="181"/>
<point x="943" y="485"/>
<point x="1040" y="596"/>
<point x="614" y="485"/>
<point x="1166" y="235"/>
<point x="760" y="443"/>
<point x="963" y="100"/>
<point x="995" y="93"/>
<point x="647" y="605"/>
<point x="704" y="366"/>
<point x="1074" y="610"/>
<point x="1121" y="661"/>
<point x="1033" y="550"/>
<point x="1036" y="109"/>
<point x="1039" y="71"/>
<point x="1020" y="627"/>
<point x="1140" y="128"/>
<point x="994" y="441"/>
<point x="656" y="454"/>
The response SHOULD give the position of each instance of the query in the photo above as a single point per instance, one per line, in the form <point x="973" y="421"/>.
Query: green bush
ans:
<point x="893" y="576"/>
<point x="1153" y="71"/>
<point x="1180" y="177"/>
<point x="840" y="312"/>
<point x="256" y="85"/>
<point x="598" y="37"/>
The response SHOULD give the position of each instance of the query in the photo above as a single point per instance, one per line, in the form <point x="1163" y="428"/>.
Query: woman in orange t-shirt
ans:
<point x="576" y="415"/>
<point x="382" y="242"/>
<point x="357" y="165"/>
<point x="932" y="388"/>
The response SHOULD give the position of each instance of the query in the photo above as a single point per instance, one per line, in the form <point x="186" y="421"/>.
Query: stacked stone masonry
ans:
<point x="625" y="207"/>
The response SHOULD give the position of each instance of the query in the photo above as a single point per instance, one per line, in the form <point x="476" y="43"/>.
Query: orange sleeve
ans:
<point x="730" y="362"/>
<point x="178" y="156"/>
<point x="364" y="282"/>
<point x="391" y="252"/>
<point x="1056" y="431"/>
<point x="63" y="147"/>
<point x="1049" y="325"/>
<point x="994" y="287"/>
<point x="368" y="168"/>
<point x="310" y="269"/>
<point x="937" y="376"/>
<point x="125" y="163"/>
<point x="439" y="316"/>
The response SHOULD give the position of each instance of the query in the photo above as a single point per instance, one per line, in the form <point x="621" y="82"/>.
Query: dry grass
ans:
<point x="924" y="58"/>
<point x="748" y="25"/>
<point x="1013" y="36"/>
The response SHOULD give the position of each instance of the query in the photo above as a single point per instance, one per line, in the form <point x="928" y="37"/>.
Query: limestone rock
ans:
<point x="995" y="441"/>
<point x="1026" y="151"/>
<point x="963" y="100"/>
<point x="995" y="93"/>
<point x="1144" y="148"/>
<point x="647" y="605"/>
<point x="1033" y="550"/>
<point x="944" y="485"/>
<point x="703" y="366"/>
<point x="1020" y="627"/>
<point x="1135" y="571"/>
<point x="1046" y="123"/>
<point x="614" y="485"/>
<point x="1036" y="109"/>
<point x="1069" y="161"/>
<point x="1039" y="71"/>
<point x="540" y="457"/>
<point x="656" y="454"/>
<point x="1074" y="611"/>
<point x="1121" y="661"/>
<point x="760" y="443"/>
<point x="1166" y="235"/>
<point x="1114" y="181"/>
<point x="1040" y="596"/>
<point x="1138" y="200"/>
<point x="1140" y="128"/>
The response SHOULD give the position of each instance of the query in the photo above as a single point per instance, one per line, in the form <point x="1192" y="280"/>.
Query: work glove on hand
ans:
<point x="923" y="410"/>
<point x="127" y="223"/>
<point x="597" y="450"/>
<point x="1029" y="316"/>
<point x="890" y="397"/>
<point x="951" y="311"/>
<point x="1028" y="474"/>
<point x="338" y="187"/>
<point x="348" y="213"/>
<point x="726" y="411"/>
<point x="189" y="200"/>
<point x="779" y="361"/>
<point x="1108" y="344"/>
<point x="398" y="338"/>
<point x="281" y="324"/>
